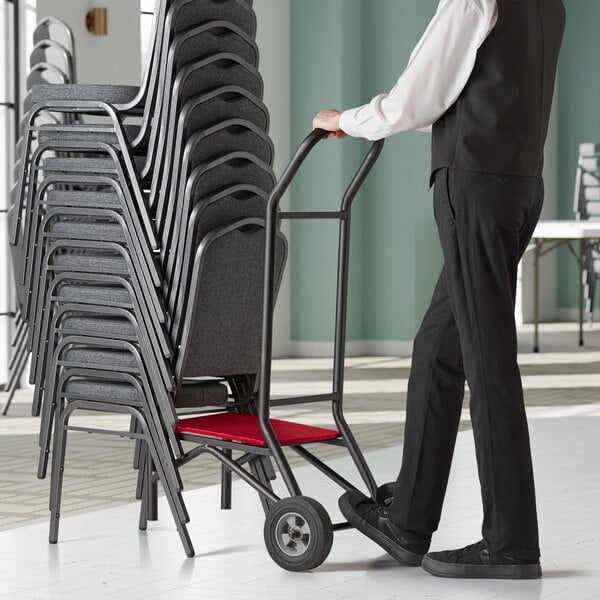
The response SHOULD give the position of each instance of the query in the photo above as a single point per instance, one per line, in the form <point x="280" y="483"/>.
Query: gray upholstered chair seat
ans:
<point x="194" y="395"/>
<point x="88" y="230"/>
<point x="109" y="326"/>
<point x="83" y="198"/>
<point x="91" y="262"/>
<point x="109" y="359"/>
<point x="100" y="294"/>
<point x="85" y="165"/>
<point x="111" y="94"/>
<point x="103" y="391"/>
<point x="202" y="393"/>
<point x="93" y="133"/>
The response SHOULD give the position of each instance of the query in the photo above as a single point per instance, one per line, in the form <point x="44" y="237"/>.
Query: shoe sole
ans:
<point x="444" y="569"/>
<point x="400" y="554"/>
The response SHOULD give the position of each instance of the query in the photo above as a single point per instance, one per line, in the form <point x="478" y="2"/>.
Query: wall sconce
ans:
<point x="96" y="21"/>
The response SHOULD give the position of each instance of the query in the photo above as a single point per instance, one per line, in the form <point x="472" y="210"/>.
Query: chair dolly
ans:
<point x="298" y="532"/>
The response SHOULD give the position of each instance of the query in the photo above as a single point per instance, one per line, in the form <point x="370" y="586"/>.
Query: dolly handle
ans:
<point x="309" y="142"/>
<point x="362" y="173"/>
<point x="264" y="388"/>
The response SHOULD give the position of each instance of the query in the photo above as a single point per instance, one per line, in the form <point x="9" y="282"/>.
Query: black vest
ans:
<point x="500" y="120"/>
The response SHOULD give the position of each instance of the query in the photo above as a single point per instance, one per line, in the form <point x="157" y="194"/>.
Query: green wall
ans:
<point x="343" y="53"/>
<point x="579" y="118"/>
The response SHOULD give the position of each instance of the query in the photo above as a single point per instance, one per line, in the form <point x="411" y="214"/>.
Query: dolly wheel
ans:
<point x="298" y="533"/>
<point x="385" y="493"/>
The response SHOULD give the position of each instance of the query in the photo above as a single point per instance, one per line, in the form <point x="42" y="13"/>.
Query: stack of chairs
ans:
<point x="142" y="246"/>
<point x="52" y="61"/>
<point x="587" y="206"/>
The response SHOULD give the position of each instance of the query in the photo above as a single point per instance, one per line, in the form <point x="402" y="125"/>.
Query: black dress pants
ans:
<point x="468" y="333"/>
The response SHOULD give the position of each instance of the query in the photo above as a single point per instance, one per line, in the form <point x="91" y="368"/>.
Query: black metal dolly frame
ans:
<point x="298" y="531"/>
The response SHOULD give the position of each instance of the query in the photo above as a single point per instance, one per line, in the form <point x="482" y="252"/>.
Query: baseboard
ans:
<point x="572" y="315"/>
<point x="355" y="348"/>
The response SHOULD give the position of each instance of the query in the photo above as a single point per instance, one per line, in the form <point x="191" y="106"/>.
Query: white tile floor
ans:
<point x="102" y="555"/>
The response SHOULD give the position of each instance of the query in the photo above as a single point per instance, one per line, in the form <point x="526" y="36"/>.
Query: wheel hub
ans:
<point x="292" y="534"/>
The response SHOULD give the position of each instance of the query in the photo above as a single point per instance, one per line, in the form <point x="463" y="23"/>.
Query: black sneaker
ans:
<point x="475" y="561"/>
<point x="373" y="520"/>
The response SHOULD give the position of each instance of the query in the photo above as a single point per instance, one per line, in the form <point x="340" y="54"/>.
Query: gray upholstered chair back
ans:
<point x="234" y="135"/>
<point x="229" y="169"/>
<point x="222" y="328"/>
<point x="209" y="214"/>
<point x="187" y="13"/>
<point x="211" y="38"/>
<point x="214" y="72"/>
<point x="51" y="28"/>
<point x="53" y="53"/>
<point x="225" y="103"/>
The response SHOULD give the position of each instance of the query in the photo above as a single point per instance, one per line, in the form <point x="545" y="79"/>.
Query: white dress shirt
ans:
<point x="437" y="72"/>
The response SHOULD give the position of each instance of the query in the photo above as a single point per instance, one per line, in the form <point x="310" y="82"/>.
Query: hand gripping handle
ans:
<point x="309" y="142"/>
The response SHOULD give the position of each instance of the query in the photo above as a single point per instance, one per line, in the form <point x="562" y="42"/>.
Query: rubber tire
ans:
<point x="317" y="524"/>
<point x="385" y="492"/>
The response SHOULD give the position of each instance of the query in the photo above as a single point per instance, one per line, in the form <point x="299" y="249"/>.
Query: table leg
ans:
<point x="581" y="289"/>
<point x="536" y="295"/>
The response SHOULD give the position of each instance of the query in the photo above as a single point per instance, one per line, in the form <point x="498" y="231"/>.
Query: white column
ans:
<point x="6" y="161"/>
<point x="112" y="58"/>
<point x="273" y="39"/>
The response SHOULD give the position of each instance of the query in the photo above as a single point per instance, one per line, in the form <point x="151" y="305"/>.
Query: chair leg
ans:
<point x="141" y="468"/>
<point x="19" y="346"/>
<point x="593" y="282"/>
<point x="151" y="492"/>
<point x="143" y="520"/>
<point x="18" y="362"/>
<point x="13" y="385"/>
<point x="148" y="490"/>
<point x="226" y="484"/>
<point x="19" y="326"/>
<point x="137" y="453"/>
<point x="49" y="416"/>
<point x="173" y="497"/>
<point x="56" y="479"/>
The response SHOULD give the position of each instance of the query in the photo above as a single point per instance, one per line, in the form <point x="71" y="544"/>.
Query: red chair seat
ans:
<point x="245" y="428"/>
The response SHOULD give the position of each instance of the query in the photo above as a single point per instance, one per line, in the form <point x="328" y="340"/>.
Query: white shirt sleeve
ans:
<point x="437" y="72"/>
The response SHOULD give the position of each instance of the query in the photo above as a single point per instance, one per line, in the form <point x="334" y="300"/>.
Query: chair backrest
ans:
<point x="199" y="113"/>
<point x="156" y="38"/>
<point x="233" y="203"/>
<point x="44" y="73"/>
<point x="227" y="170"/>
<point x="215" y="72"/>
<point x="587" y="183"/>
<point x="51" y="28"/>
<point x="232" y="135"/>
<point x="222" y="325"/>
<point x="226" y="102"/>
<point x="175" y="17"/>
<point x="53" y="53"/>
<point x="204" y="180"/>
<point x="40" y="74"/>
<point x="55" y="30"/>
<point x="16" y="255"/>
<point x="190" y="13"/>
<point x="211" y="38"/>
<point x="234" y="138"/>
<point x="191" y="70"/>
